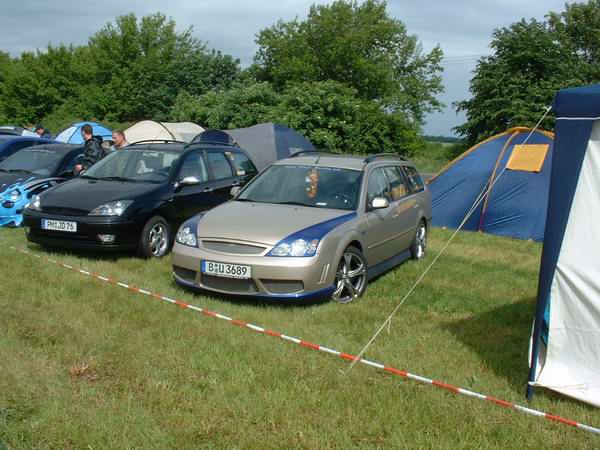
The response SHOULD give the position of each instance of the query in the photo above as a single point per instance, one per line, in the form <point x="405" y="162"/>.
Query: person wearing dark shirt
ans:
<point x="92" y="149"/>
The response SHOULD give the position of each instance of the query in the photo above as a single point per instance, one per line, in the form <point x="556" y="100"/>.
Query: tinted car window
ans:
<point x="241" y="163"/>
<point x="414" y="178"/>
<point x="218" y="165"/>
<point x="193" y="166"/>
<point x="41" y="161"/>
<point x="397" y="184"/>
<point x="153" y="166"/>
<point x="377" y="186"/>
<point x="15" y="147"/>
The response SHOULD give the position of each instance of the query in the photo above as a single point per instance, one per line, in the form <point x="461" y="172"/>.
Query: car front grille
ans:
<point x="233" y="248"/>
<point x="232" y="285"/>
<point x="65" y="211"/>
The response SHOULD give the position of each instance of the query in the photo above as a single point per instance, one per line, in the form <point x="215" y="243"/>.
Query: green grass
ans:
<point x="161" y="377"/>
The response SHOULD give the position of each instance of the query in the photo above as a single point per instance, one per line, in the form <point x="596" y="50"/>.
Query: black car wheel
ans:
<point x="419" y="243"/>
<point x="350" y="276"/>
<point x="155" y="240"/>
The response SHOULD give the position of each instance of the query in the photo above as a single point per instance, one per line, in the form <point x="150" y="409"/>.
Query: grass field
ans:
<point x="90" y="365"/>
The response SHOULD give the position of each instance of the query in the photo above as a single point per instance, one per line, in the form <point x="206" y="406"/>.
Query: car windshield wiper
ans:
<point x="245" y="200"/>
<point x="130" y="180"/>
<point x="295" y="203"/>
<point x="88" y="177"/>
<point x="17" y="171"/>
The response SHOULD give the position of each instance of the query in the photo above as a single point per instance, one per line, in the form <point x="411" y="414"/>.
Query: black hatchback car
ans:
<point x="136" y="197"/>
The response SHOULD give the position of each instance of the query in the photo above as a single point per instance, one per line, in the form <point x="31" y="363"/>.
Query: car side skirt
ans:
<point x="388" y="264"/>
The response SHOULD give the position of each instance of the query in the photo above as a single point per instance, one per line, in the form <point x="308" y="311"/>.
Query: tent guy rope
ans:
<point x="482" y="195"/>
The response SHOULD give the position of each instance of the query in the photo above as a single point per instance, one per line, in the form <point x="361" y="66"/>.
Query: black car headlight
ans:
<point x="111" y="209"/>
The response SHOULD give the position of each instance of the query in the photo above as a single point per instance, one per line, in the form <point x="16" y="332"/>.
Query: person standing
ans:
<point x="92" y="149"/>
<point x="42" y="132"/>
<point x="119" y="139"/>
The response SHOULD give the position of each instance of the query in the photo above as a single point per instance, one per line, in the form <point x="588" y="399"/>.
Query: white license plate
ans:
<point x="59" y="225"/>
<point x="226" y="270"/>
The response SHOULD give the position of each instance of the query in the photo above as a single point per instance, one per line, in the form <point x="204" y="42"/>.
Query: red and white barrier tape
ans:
<point x="313" y="346"/>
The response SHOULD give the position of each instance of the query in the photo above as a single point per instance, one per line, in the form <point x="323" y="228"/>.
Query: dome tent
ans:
<point x="149" y="130"/>
<point x="72" y="134"/>
<point x="265" y="143"/>
<point x="517" y="203"/>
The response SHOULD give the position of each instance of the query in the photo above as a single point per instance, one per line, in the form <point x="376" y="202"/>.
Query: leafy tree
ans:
<point x="513" y="85"/>
<point x="360" y="46"/>
<point x="241" y="106"/>
<point x="577" y="28"/>
<point x="143" y="66"/>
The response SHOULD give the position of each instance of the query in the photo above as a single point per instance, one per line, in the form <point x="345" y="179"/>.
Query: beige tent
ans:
<point x="149" y="130"/>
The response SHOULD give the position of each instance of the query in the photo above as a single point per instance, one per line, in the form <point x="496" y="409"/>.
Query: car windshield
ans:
<point x="39" y="161"/>
<point x="151" y="166"/>
<point x="313" y="186"/>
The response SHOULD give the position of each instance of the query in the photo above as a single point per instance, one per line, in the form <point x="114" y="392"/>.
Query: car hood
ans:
<point x="86" y="195"/>
<point x="262" y="222"/>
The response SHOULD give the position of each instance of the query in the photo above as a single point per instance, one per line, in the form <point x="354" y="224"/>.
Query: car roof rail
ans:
<point x="215" y="143"/>
<point x="302" y="152"/>
<point x="157" y="141"/>
<point x="371" y="158"/>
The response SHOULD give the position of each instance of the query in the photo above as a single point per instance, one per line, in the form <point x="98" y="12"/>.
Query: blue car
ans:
<point x="10" y="144"/>
<point x="30" y="172"/>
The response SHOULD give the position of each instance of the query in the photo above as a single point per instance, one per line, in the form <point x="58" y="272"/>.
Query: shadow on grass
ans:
<point x="501" y="338"/>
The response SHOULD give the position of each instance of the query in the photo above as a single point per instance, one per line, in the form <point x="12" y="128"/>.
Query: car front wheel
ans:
<point x="350" y="276"/>
<point x="155" y="239"/>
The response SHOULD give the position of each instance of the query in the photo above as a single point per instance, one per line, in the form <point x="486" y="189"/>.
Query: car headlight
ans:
<point x="186" y="236"/>
<point x="111" y="209"/>
<point x="297" y="247"/>
<point x="35" y="204"/>
<point x="13" y="196"/>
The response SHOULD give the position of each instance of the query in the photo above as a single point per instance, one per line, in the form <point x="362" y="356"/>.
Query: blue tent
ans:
<point x="72" y="135"/>
<point x="565" y="344"/>
<point x="516" y="204"/>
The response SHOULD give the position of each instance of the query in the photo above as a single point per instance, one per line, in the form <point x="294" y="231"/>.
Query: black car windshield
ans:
<point x="314" y="186"/>
<point x="39" y="161"/>
<point x="152" y="166"/>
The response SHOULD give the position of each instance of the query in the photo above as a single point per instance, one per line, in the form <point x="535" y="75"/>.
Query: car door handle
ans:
<point x="208" y="189"/>
<point x="236" y="183"/>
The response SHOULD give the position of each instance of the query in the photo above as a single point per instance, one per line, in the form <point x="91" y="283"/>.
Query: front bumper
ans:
<point x="127" y="233"/>
<point x="272" y="277"/>
<point x="9" y="221"/>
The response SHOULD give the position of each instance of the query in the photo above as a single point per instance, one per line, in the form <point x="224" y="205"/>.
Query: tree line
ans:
<point x="349" y="77"/>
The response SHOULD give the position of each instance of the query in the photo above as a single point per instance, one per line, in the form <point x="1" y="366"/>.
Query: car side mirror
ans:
<point x="379" y="203"/>
<point x="235" y="191"/>
<point x="187" y="181"/>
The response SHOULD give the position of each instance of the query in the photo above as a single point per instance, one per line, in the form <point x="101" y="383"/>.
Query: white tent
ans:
<point x="149" y="130"/>
<point x="565" y="346"/>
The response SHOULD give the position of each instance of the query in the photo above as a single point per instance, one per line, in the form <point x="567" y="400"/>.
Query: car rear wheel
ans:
<point x="155" y="240"/>
<point x="417" y="248"/>
<point x="350" y="276"/>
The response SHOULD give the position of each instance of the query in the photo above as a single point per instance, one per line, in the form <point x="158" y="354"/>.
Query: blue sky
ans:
<point x="462" y="28"/>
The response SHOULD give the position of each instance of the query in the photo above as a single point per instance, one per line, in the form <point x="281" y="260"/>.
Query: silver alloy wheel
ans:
<point x="421" y="240"/>
<point x="350" y="278"/>
<point x="158" y="240"/>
